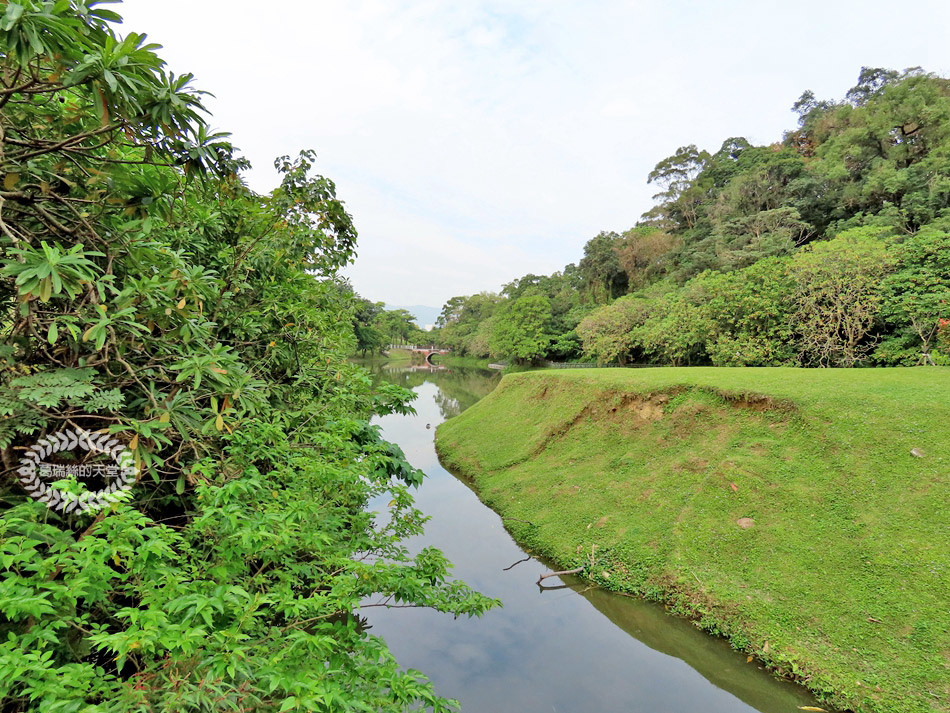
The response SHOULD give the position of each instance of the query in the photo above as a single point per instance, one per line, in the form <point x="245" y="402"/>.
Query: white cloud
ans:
<point x="475" y="142"/>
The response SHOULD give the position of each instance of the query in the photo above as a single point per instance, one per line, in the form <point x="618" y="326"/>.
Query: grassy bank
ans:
<point x="801" y="513"/>
<point x="404" y="356"/>
<point x="466" y="362"/>
<point x="392" y="356"/>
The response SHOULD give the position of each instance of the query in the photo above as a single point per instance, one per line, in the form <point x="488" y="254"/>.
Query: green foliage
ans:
<point x="824" y="249"/>
<point x="916" y="297"/>
<point x="520" y="329"/>
<point x="643" y="254"/>
<point x="398" y="325"/>
<point x="838" y="298"/>
<point x="752" y="312"/>
<point x="607" y="333"/>
<point x="375" y="327"/>
<point x="148" y="293"/>
<point x="566" y="347"/>
<point x="465" y="323"/>
<point x="843" y="575"/>
<point x="677" y="175"/>
<point x="603" y="275"/>
<point x="51" y="271"/>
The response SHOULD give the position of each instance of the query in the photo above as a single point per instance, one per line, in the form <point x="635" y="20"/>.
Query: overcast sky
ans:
<point x="476" y="141"/>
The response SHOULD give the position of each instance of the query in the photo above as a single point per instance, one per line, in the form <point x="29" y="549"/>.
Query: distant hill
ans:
<point x="424" y="315"/>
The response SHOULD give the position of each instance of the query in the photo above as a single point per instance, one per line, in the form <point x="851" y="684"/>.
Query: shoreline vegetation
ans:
<point x="148" y="294"/>
<point x="827" y="247"/>
<point x="404" y="357"/>
<point x="798" y="513"/>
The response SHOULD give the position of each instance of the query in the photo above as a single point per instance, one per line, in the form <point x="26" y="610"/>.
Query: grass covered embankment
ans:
<point x="801" y="513"/>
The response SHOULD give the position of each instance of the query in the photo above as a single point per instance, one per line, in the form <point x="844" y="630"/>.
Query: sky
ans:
<point x="476" y="141"/>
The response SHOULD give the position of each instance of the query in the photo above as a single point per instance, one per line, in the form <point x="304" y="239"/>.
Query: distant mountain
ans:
<point x="424" y="315"/>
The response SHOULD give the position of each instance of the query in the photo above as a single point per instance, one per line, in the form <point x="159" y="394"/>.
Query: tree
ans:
<point x="369" y="340"/>
<point x="676" y="331"/>
<point x="752" y="310"/>
<point x="601" y="270"/>
<point x="916" y="296"/>
<point x="451" y="311"/>
<point x="463" y="318"/>
<point x="871" y="81"/>
<point x="520" y="329"/>
<point x="148" y="294"/>
<point x="644" y="254"/>
<point x="478" y="344"/>
<point x="607" y="333"/>
<point x="396" y="325"/>
<point x="677" y="175"/>
<point x="838" y="298"/>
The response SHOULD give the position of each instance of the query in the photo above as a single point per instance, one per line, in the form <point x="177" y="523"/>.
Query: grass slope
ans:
<point x="843" y="579"/>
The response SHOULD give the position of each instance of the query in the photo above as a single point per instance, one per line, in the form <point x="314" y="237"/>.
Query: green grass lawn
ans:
<point x="804" y="514"/>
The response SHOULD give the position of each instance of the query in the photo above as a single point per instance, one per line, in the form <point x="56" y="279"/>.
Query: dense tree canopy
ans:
<point x="827" y="248"/>
<point x="520" y="328"/>
<point x="376" y="327"/>
<point x="148" y="294"/>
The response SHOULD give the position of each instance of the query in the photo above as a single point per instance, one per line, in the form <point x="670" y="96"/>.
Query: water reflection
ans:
<point x="572" y="649"/>
<point x="456" y="388"/>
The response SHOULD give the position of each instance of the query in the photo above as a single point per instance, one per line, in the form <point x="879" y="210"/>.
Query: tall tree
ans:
<point x="521" y="329"/>
<point x="838" y="298"/>
<point x="601" y="269"/>
<point x="917" y="297"/>
<point x="148" y="295"/>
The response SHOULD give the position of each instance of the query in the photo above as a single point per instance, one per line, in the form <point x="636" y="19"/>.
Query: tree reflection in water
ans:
<point x="458" y="388"/>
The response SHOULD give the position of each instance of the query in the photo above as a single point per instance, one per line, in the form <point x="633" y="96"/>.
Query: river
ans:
<point x="573" y="648"/>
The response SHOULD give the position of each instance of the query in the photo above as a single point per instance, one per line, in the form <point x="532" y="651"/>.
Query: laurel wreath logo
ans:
<point x="89" y="501"/>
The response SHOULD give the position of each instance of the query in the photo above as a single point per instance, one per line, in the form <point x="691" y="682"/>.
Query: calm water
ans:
<point x="569" y="649"/>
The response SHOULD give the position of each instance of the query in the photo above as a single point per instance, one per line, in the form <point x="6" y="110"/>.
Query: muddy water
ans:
<point x="572" y="648"/>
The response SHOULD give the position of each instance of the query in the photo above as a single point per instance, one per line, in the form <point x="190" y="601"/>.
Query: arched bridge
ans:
<point x="425" y="352"/>
<point x="428" y="352"/>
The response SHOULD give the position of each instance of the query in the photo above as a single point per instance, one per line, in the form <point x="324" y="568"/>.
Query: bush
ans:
<point x="146" y="292"/>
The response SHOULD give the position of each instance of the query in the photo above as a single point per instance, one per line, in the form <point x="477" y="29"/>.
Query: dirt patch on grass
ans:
<point x="696" y="465"/>
<point x="757" y="402"/>
<point x="650" y="409"/>
<point x="628" y="409"/>
<point x="632" y="412"/>
<point x="692" y="410"/>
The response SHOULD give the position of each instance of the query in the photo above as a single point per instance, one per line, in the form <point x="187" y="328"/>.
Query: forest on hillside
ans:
<point x="830" y="247"/>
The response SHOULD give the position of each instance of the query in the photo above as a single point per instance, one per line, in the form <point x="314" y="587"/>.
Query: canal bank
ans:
<point x="575" y="648"/>
<point x="800" y="513"/>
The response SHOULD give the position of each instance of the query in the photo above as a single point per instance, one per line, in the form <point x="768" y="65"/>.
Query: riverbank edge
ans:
<point x="714" y="614"/>
<point x="678" y="597"/>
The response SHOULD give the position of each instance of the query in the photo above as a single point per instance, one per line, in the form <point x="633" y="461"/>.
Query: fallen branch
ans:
<point x="511" y="566"/>
<point x="576" y="570"/>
